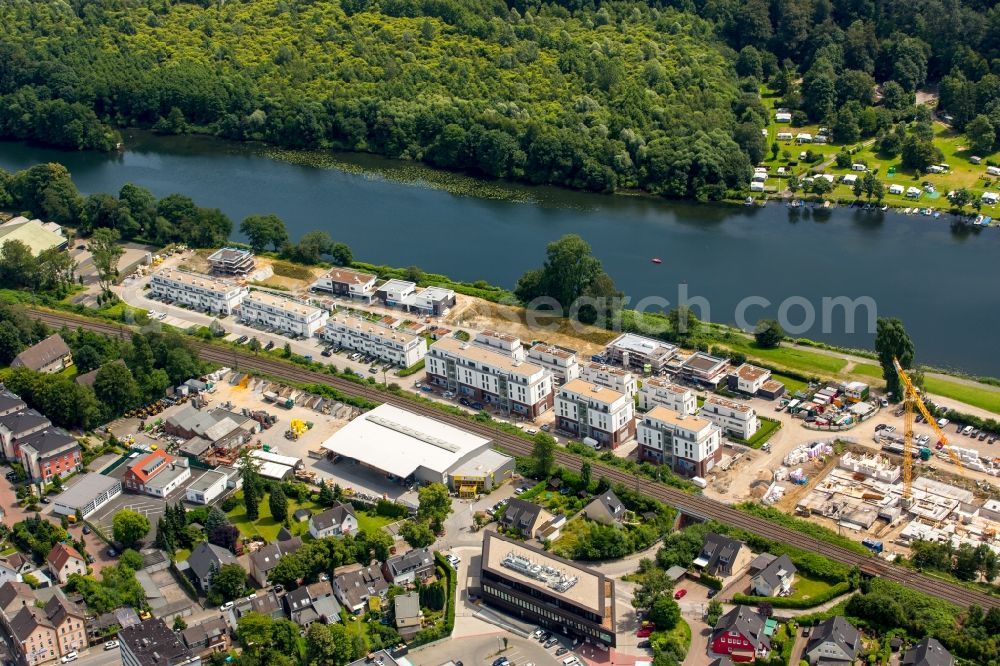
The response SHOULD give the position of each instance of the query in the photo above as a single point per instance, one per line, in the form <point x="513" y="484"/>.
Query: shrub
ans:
<point x="791" y="602"/>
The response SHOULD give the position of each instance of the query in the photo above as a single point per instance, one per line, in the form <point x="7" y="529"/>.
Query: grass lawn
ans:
<point x="682" y="634"/>
<point x="788" y="357"/>
<point x="371" y="522"/>
<point x="266" y="526"/>
<point x="807" y="588"/>
<point x="791" y="384"/>
<point x="565" y="545"/>
<point x="867" y="370"/>
<point x="983" y="398"/>
<point x="767" y="428"/>
<point x="8" y="551"/>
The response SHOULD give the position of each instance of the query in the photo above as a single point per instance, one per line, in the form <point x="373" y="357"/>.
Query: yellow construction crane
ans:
<point x="911" y="399"/>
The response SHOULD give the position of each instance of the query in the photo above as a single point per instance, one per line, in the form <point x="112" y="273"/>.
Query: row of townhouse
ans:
<point x="403" y="294"/>
<point x="284" y="314"/>
<point x="197" y="291"/>
<point x="27" y="436"/>
<point x="384" y="342"/>
<point x="40" y="631"/>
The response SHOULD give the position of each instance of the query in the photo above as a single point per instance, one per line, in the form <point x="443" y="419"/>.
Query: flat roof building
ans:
<point x="151" y="643"/>
<point x="560" y="361"/>
<point x="383" y="342"/>
<point x="285" y="314"/>
<point x="637" y="351"/>
<point x="618" y="379"/>
<point x="231" y="261"/>
<point x="704" y="369"/>
<point x="198" y="291"/>
<point x="347" y="282"/>
<point x="35" y="234"/>
<point x="658" y="391"/>
<point x="738" y="419"/>
<point x="691" y="446"/>
<point x="88" y="493"/>
<point x="590" y="410"/>
<point x="405" y="445"/>
<point x="550" y="591"/>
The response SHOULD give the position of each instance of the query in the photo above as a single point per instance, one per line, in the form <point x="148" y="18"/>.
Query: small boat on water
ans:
<point x="885" y="208"/>
<point x="656" y="260"/>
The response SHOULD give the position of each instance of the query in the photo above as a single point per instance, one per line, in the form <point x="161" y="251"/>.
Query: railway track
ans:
<point x="693" y="505"/>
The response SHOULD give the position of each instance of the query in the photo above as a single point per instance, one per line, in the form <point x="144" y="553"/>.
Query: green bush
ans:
<point x="412" y="370"/>
<point x="791" y="602"/>
<point x="710" y="581"/>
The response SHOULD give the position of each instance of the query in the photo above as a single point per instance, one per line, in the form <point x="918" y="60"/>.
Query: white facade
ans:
<point x="591" y="410"/>
<point x="197" y="291"/>
<point x="509" y="345"/>
<point x="476" y="372"/>
<point x="561" y="362"/>
<point x="398" y="292"/>
<point x="284" y="314"/>
<point x="169" y="479"/>
<point x="657" y="391"/>
<point x="347" y="282"/>
<point x="383" y="342"/>
<point x="735" y="418"/>
<point x="433" y="300"/>
<point x="617" y="379"/>
<point x="687" y="443"/>
<point x="750" y="378"/>
<point x="206" y="488"/>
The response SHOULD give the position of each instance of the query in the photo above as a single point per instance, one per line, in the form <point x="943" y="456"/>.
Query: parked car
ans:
<point x="476" y="405"/>
<point x="711" y="593"/>
<point x="546" y="427"/>
<point x="374" y="371"/>
<point x="111" y="645"/>
<point x="226" y="606"/>
<point x="644" y="632"/>
<point x="243" y="338"/>
<point x="561" y="651"/>
<point x="426" y="389"/>
<point x="679" y="594"/>
<point x="501" y="661"/>
<point x="449" y="394"/>
<point x="550" y="642"/>
<point x="536" y="633"/>
<point x="326" y="352"/>
<point x="520" y="491"/>
<point x="70" y="656"/>
<point x="464" y="401"/>
<point x="644" y="645"/>
<point x="86" y="529"/>
<point x="982" y="436"/>
<point x="269" y="346"/>
<point x="545" y="637"/>
<point x="46" y="500"/>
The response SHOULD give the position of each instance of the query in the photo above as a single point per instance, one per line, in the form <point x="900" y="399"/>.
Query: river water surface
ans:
<point x="944" y="284"/>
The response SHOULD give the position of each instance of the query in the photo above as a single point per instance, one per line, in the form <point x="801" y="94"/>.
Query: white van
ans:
<point x="571" y="661"/>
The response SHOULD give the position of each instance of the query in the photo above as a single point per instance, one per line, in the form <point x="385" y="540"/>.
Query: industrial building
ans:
<point x="88" y="493"/>
<point x="403" y="445"/>
<point x="546" y="590"/>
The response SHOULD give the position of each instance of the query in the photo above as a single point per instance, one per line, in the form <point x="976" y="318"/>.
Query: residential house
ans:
<point x="45" y="633"/>
<point x="524" y="518"/>
<point x="324" y="601"/>
<point x="205" y="560"/>
<point x="14" y="595"/>
<point x="17" y="426"/>
<point x="264" y="560"/>
<point x="410" y="567"/>
<point x="13" y="567"/>
<point x="355" y="588"/>
<point x="347" y="282"/>
<point x="590" y="410"/>
<point x="479" y="373"/>
<point x="606" y="508"/>
<point x="737" y="419"/>
<point x="560" y="361"/>
<point x="10" y="403"/>
<point x="408" y="615"/>
<point x="775" y="579"/>
<point x="383" y="342"/>
<point x="689" y="445"/>
<point x="152" y="643"/>
<point x="266" y="603"/>
<point x="705" y="369"/>
<point x="614" y="378"/>
<point x="200" y="292"/>
<point x="300" y="607"/>
<point x="34" y="639"/>
<point x="748" y="379"/>
<point x="49" y="453"/>
<point x="208" y="636"/>
<point x="739" y="634"/>
<point x="231" y="261"/>
<point x="284" y="314"/>
<point x="434" y="301"/>
<point x="69" y="622"/>
<point x="658" y="391"/>
<point x="48" y="356"/>
<point x="338" y="520"/>
<point x="928" y="652"/>
<point x="64" y="561"/>
<point x="833" y="642"/>
<point x="721" y="556"/>
<point x="647" y="355"/>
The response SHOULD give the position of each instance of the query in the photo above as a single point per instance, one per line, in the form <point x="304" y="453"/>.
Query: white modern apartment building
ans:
<point x="658" y="391"/>
<point x="504" y="343"/>
<point x="284" y="314"/>
<point x="481" y="374"/>
<point x="636" y="351"/>
<point x="385" y="343"/>
<point x="688" y="444"/>
<point x="560" y="361"/>
<point x="584" y="409"/>
<point x="737" y="419"/>
<point x="618" y="379"/>
<point x="347" y="282"/>
<point x="197" y="291"/>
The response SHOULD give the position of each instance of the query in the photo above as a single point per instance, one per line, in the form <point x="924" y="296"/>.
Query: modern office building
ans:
<point x="197" y="291"/>
<point x="540" y="588"/>
<point x="591" y="410"/>
<point x="285" y="314"/>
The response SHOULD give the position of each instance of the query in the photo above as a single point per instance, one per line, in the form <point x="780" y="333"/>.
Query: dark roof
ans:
<point x="48" y="441"/>
<point x="59" y="608"/>
<point x="722" y="661"/>
<point x="928" y="652"/>
<point x="332" y="516"/>
<point x="720" y="551"/>
<point x="153" y="644"/>
<point x="26" y="621"/>
<point x="298" y="599"/>
<point x="10" y="402"/>
<point x="207" y="557"/>
<point x="201" y="633"/>
<point x="747" y="622"/>
<point x="12" y="590"/>
<point x="772" y="573"/>
<point x="839" y="631"/>
<point x="356" y="586"/>
<point x="612" y="505"/>
<point x="39" y="355"/>
<point x="413" y="560"/>
<point x="520" y="514"/>
<point x="26" y="419"/>
<point x="267" y="557"/>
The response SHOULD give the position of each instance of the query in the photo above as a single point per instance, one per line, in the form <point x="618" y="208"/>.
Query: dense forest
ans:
<point x="661" y="95"/>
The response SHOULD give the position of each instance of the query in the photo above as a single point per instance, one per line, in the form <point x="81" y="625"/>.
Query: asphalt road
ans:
<point x="483" y="650"/>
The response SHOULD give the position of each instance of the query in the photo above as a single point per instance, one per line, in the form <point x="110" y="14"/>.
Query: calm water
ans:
<point x="943" y="284"/>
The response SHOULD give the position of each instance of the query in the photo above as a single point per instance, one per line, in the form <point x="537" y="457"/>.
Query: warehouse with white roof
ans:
<point x="405" y="446"/>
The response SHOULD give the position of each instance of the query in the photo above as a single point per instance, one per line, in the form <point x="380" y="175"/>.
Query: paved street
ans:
<point x="482" y="650"/>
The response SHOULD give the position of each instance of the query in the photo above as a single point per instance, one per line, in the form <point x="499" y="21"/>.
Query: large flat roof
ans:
<point x="487" y="356"/>
<point x="589" y="591"/>
<point x="591" y="391"/>
<point x="214" y="285"/>
<point x="87" y="487"/>
<point x="685" y="421"/>
<point x="398" y="442"/>
<point x="640" y="344"/>
<point x="282" y="304"/>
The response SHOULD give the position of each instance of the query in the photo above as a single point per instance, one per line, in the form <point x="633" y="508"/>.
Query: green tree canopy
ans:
<point x="129" y="527"/>
<point x="892" y="342"/>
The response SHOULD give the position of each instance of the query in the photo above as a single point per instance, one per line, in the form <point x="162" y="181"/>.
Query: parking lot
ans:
<point x="151" y="507"/>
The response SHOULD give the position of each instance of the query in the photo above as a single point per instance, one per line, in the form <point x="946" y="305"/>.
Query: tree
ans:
<point x="543" y="455"/>
<point x="278" y="504"/>
<point x="18" y="266"/>
<point x="919" y="153"/>
<point x="714" y="612"/>
<point x="664" y="613"/>
<point x="180" y="624"/>
<point x="129" y="527"/>
<point x="131" y="559"/>
<point x="655" y="585"/>
<point x="857" y="188"/>
<point x="434" y="505"/>
<point x="105" y="253"/>
<point x="264" y="230"/>
<point x="116" y="388"/>
<point x="768" y="333"/>
<point x="252" y="484"/>
<point x="326" y="497"/>
<point x="892" y="342"/>
<point x="329" y="645"/>
<point x="254" y="632"/>
<point x="229" y="582"/>
<point x="982" y="134"/>
<point x="341" y="253"/>
<point x="585" y="474"/>
<point x="418" y="535"/>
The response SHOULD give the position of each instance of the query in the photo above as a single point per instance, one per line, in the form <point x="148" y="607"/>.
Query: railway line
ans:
<point x="693" y="505"/>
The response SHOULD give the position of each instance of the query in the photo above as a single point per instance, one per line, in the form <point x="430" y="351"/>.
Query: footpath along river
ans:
<point x="944" y="284"/>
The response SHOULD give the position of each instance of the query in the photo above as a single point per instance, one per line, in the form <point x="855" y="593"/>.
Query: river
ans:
<point x="942" y="283"/>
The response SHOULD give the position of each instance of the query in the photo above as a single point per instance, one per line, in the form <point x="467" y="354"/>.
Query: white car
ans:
<point x="111" y="645"/>
<point x="453" y="560"/>
<point x="226" y="606"/>
<point x="71" y="656"/>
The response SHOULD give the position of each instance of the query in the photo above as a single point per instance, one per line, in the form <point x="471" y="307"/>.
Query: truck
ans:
<point x="700" y="482"/>
<point x="597" y="358"/>
<point x="873" y="545"/>
<point x="592" y="443"/>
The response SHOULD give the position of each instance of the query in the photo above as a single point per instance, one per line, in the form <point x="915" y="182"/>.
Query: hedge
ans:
<point x="710" y="581"/>
<point x="412" y="370"/>
<point x="767" y="429"/>
<point x="441" y="630"/>
<point x="790" y="602"/>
